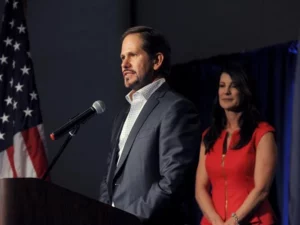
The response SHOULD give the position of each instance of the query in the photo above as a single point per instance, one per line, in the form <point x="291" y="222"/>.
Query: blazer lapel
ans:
<point x="149" y="106"/>
<point x="114" y="145"/>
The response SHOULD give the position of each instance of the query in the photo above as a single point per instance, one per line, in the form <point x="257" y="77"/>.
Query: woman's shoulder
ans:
<point x="262" y="128"/>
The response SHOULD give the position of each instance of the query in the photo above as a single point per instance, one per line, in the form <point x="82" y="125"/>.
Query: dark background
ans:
<point x="75" y="47"/>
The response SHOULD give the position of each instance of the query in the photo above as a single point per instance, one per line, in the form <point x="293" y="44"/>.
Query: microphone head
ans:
<point x="99" y="106"/>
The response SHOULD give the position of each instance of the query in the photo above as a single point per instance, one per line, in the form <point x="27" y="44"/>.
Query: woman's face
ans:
<point x="229" y="95"/>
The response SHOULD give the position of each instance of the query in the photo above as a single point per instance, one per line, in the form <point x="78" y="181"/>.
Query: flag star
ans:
<point x="1" y="75"/>
<point x="11" y="82"/>
<point x="6" y="1"/>
<point x="27" y="112"/>
<point x="4" y="118"/>
<point x="17" y="46"/>
<point x="8" y="41"/>
<point x="19" y="87"/>
<point x="21" y="29"/>
<point x="15" y="4"/>
<point x="12" y="23"/>
<point x="2" y="136"/>
<point x="14" y="64"/>
<point x="15" y="105"/>
<point x="3" y="59"/>
<point x="25" y="70"/>
<point x="8" y="100"/>
<point x="33" y="95"/>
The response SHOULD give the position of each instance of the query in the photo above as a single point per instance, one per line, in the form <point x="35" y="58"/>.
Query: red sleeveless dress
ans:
<point x="232" y="177"/>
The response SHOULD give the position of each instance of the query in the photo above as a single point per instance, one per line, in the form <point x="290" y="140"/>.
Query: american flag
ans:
<point x="22" y="142"/>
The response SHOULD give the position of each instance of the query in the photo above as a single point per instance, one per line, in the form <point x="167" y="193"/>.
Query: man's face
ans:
<point x="137" y="67"/>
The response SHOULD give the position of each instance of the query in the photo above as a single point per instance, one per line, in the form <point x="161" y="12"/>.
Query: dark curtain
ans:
<point x="294" y="183"/>
<point x="273" y="68"/>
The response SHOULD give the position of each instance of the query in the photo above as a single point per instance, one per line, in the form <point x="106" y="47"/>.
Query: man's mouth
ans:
<point x="126" y="72"/>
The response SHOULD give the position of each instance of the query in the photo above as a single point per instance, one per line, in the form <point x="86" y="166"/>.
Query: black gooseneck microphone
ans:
<point x="72" y="127"/>
<point x="98" y="107"/>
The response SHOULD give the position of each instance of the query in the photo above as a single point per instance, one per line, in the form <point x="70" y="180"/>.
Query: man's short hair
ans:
<point x="153" y="42"/>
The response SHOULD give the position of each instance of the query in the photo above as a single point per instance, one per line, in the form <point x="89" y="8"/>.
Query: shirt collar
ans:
<point x="146" y="91"/>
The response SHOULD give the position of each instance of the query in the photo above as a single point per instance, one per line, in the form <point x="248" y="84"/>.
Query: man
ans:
<point x="155" y="140"/>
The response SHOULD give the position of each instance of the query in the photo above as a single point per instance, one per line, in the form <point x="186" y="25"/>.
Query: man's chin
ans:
<point x="131" y="85"/>
<point x="128" y="85"/>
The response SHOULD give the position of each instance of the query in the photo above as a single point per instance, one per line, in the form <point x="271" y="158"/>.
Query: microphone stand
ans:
<point x="71" y="134"/>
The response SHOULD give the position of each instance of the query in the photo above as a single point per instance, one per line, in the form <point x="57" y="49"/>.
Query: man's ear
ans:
<point x="158" y="60"/>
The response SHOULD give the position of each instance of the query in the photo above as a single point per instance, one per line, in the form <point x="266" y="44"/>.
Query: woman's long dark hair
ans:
<point x="250" y="115"/>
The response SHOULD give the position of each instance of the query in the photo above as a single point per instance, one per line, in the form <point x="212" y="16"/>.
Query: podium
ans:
<point x="30" y="201"/>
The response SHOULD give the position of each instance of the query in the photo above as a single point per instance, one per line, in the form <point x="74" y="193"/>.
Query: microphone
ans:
<point x="98" y="107"/>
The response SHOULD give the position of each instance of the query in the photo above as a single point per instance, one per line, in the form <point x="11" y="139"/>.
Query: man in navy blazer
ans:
<point x="155" y="139"/>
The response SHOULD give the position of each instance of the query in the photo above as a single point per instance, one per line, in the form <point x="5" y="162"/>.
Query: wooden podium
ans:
<point x="30" y="201"/>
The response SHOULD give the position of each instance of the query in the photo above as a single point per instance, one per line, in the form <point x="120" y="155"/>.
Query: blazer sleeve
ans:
<point x="179" y="142"/>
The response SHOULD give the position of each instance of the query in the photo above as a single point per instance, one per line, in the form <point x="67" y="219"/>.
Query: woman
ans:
<point x="237" y="158"/>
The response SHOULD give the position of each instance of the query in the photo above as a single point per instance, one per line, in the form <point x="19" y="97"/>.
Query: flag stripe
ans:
<point x="10" y="157"/>
<point x="35" y="149"/>
<point x="5" y="165"/>
<point x="40" y="128"/>
<point x="23" y="165"/>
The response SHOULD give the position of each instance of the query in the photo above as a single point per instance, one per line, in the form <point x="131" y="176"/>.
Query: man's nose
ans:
<point x="125" y="63"/>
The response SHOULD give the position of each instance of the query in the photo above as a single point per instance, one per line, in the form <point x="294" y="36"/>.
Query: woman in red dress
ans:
<point x="237" y="158"/>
